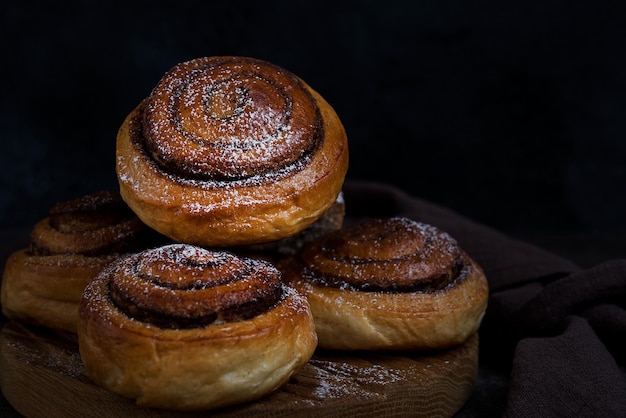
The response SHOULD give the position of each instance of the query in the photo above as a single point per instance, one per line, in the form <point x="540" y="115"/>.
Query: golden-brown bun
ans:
<point x="390" y="284"/>
<point x="230" y="151"/>
<point x="185" y="328"/>
<point x="274" y="251"/>
<point x="43" y="284"/>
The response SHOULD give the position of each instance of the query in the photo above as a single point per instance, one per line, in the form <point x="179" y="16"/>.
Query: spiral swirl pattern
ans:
<point x="231" y="151"/>
<point x="181" y="327"/>
<point x="396" y="254"/>
<point x="93" y="225"/>
<point x="391" y="284"/>
<point x="230" y="118"/>
<point x="181" y="286"/>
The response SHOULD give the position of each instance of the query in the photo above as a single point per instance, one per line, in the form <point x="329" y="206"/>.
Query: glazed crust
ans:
<point x="43" y="284"/>
<point x="192" y="203"/>
<point x="194" y="367"/>
<point x="437" y="300"/>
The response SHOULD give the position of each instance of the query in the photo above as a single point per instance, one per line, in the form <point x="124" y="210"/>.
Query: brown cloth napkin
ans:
<point x="556" y="330"/>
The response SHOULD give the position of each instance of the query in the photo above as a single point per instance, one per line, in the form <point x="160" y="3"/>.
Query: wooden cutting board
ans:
<point x="41" y="374"/>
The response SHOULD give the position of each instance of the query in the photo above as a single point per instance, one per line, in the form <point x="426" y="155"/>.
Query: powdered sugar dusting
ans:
<point x="218" y="119"/>
<point x="394" y="254"/>
<point x="184" y="286"/>
<point x="65" y="361"/>
<point x="336" y="380"/>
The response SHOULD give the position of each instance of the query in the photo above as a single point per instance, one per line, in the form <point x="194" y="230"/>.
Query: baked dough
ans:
<point x="42" y="284"/>
<point x="390" y="284"/>
<point x="274" y="251"/>
<point x="185" y="328"/>
<point x="231" y="151"/>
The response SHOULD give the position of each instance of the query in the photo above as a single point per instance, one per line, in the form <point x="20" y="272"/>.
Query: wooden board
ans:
<point x="41" y="374"/>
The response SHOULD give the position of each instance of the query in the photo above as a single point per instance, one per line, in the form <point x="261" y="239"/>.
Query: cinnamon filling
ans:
<point x="96" y="224"/>
<point x="425" y="284"/>
<point x="94" y="211"/>
<point x="181" y="286"/>
<point x="395" y="255"/>
<point x="229" y="119"/>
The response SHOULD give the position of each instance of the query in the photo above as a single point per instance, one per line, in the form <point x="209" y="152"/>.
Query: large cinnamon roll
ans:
<point x="230" y="151"/>
<point x="42" y="284"/>
<point x="390" y="284"/>
<point x="186" y="328"/>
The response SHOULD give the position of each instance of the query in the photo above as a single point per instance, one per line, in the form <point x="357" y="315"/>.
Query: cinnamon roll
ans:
<point x="42" y="284"/>
<point x="230" y="151"/>
<point x="186" y="328"/>
<point x="390" y="284"/>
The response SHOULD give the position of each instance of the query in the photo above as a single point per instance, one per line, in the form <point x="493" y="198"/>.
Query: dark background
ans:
<point x="511" y="113"/>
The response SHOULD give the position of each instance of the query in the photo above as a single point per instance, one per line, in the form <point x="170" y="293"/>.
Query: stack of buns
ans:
<point x="238" y="165"/>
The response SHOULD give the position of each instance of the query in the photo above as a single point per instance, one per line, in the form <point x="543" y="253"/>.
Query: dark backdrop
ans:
<point x="512" y="113"/>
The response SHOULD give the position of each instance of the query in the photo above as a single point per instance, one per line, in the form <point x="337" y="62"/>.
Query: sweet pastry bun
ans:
<point x="42" y="284"/>
<point x="389" y="284"/>
<point x="231" y="151"/>
<point x="185" y="328"/>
